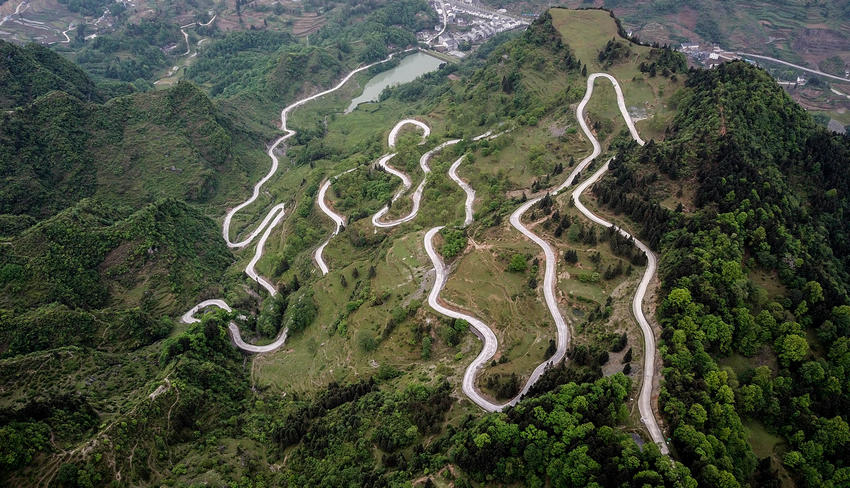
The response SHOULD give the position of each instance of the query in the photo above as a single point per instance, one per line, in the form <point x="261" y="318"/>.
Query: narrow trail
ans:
<point x="271" y="220"/>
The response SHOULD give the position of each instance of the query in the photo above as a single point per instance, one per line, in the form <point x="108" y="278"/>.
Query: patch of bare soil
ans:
<point x="307" y="24"/>
<point x="820" y="41"/>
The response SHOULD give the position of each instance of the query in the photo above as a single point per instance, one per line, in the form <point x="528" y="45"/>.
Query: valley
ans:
<point x="544" y="264"/>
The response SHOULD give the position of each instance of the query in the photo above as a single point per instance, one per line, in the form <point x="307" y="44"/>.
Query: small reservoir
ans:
<point x="408" y="69"/>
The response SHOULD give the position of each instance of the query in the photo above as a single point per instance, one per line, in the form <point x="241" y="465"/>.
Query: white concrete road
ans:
<point x="339" y="221"/>
<point x="470" y="193"/>
<point x="417" y="194"/>
<point x="65" y="33"/>
<point x="797" y="66"/>
<point x="549" y="282"/>
<point x="405" y="180"/>
<point x="480" y="328"/>
<point x="650" y="348"/>
<point x="491" y="344"/>
<point x="597" y="149"/>
<point x="272" y="218"/>
<point x="235" y="336"/>
<point x="426" y="130"/>
<point x="276" y="214"/>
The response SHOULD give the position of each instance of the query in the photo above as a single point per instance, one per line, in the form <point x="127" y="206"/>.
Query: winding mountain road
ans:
<point x="186" y="37"/>
<point x="650" y="348"/>
<point x="470" y="193"/>
<point x="65" y="33"/>
<point x="405" y="180"/>
<point x="236" y="337"/>
<point x="20" y="8"/>
<point x="276" y="214"/>
<point x="272" y="219"/>
<point x="339" y="222"/>
<point x="490" y="343"/>
<point x="209" y="21"/>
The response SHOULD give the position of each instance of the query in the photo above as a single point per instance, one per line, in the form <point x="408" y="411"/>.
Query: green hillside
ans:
<point x="31" y="71"/>
<point x="755" y="273"/>
<point x="128" y="151"/>
<point x="111" y="229"/>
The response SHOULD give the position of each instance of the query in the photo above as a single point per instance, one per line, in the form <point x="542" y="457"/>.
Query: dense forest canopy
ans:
<point x="772" y="195"/>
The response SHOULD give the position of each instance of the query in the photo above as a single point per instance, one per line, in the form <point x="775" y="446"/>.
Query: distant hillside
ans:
<point x="93" y="207"/>
<point x="130" y="151"/>
<point x="31" y="71"/>
<point x="275" y="66"/>
<point x="77" y="275"/>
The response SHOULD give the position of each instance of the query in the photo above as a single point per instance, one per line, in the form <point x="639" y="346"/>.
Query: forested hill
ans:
<point x="106" y="237"/>
<point x="95" y="211"/>
<point x="754" y="267"/>
<point x="30" y="71"/>
<point x="130" y="150"/>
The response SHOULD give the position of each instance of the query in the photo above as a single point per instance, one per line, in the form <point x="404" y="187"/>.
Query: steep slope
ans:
<point x="96" y="261"/>
<point x="131" y="150"/>
<point x="28" y="72"/>
<point x="92" y="396"/>
<point x="755" y="273"/>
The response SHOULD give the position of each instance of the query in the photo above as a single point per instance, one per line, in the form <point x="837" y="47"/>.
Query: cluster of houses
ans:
<point x="469" y="23"/>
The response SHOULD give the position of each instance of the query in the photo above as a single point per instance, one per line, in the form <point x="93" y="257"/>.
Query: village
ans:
<point x="467" y="23"/>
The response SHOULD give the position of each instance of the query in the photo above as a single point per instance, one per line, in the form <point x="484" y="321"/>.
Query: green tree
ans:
<point x="518" y="263"/>
<point x="792" y="348"/>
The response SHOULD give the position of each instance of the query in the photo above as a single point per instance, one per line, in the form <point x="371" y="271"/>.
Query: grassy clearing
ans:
<point x="331" y="349"/>
<point x="481" y="285"/>
<point x="587" y="32"/>
<point x="526" y="154"/>
<point x="764" y="443"/>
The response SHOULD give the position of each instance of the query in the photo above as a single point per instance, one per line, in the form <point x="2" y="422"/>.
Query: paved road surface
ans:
<point x="470" y="193"/>
<point x="272" y="218"/>
<point x="550" y="276"/>
<point x="236" y="337"/>
<point x="786" y="63"/>
<point x="650" y="348"/>
<point x="339" y="221"/>
<point x="405" y="180"/>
